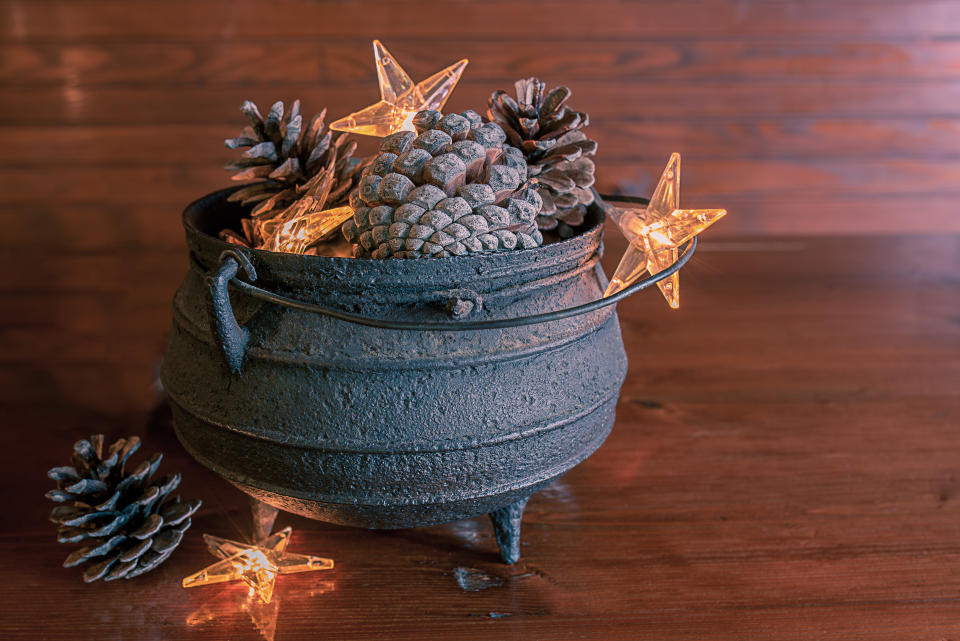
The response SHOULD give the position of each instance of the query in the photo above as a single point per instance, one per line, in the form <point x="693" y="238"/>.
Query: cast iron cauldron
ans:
<point x="393" y="393"/>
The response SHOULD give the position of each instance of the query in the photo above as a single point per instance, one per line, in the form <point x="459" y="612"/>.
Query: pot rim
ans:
<point x="556" y="257"/>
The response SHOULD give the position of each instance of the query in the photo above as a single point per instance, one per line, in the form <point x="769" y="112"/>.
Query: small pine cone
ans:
<point x="556" y="149"/>
<point x="129" y="524"/>
<point x="287" y="163"/>
<point x="449" y="189"/>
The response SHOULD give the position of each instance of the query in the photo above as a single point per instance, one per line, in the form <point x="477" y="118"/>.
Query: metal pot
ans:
<point x="380" y="427"/>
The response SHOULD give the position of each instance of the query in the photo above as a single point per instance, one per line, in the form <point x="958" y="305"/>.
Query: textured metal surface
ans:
<point x="506" y="527"/>
<point x="395" y="428"/>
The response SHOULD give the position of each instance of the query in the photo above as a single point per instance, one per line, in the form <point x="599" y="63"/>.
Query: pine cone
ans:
<point x="129" y="526"/>
<point x="557" y="151"/>
<point x="451" y="189"/>
<point x="289" y="164"/>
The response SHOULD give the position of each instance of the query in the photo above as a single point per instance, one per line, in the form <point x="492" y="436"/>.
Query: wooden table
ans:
<point x="785" y="465"/>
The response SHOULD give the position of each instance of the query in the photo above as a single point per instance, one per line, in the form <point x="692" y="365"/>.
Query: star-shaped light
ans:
<point x="306" y="221"/>
<point x="296" y="235"/>
<point x="257" y="564"/>
<point x="400" y="99"/>
<point x="656" y="234"/>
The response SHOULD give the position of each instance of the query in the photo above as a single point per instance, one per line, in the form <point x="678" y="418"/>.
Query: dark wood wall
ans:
<point x="799" y="117"/>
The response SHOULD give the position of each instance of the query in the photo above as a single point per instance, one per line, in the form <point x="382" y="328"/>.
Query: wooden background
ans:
<point x="819" y="116"/>
<point x="807" y="117"/>
<point x="784" y="465"/>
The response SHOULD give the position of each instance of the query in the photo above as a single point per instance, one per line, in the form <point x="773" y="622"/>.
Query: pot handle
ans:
<point x="230" y="337"/>
<point x="459" y="303"/>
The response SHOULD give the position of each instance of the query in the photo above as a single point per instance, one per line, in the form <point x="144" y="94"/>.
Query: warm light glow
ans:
<point x="251" y="566"/>
<point x="257" y="565"/>
<point x="656" y="233"/>
<point x="305" y="222"/>
<point x="400" y="99"/>
<point x="227" y="604"/>
<point x="295" y="236"/>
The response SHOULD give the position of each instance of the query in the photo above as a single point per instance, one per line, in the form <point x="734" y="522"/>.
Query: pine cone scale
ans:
<point x="121" y="570"/>
<point x="97" y="570"/>
<point x="134" y="553"/>
<point x="65" y="473"/>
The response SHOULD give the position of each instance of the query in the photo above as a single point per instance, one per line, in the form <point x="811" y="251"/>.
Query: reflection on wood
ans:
<point x="232" y="601"/>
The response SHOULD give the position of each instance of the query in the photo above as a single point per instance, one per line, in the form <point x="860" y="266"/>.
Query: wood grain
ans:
<point x="650" y="139"/>
<point x="829" y="196"/>
<point x="80" y="105"/>
<point x="132" y="185"/>
<point x="784" y="463"/>
<point x="497" y="19"/>
<point x="812" y="117"/>
<point x="783" y="466"/>
<point x="300" y="61"/>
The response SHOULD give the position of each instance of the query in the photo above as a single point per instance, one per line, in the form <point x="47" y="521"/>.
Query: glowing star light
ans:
<point x="400" y="99"/>
<point x="656" y="234"/>
<point x="306" y="222"/>
<point x="296" y="235"/>
<point x="257" y="565"/>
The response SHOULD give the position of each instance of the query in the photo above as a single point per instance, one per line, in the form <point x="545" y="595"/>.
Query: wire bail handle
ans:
<point x="233" y="338"/>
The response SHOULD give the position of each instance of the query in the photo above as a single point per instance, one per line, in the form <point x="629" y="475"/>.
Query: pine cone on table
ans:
<point x="557" y="151"/>
<point x="129" y="525"/>
<point x="289" y="164"/>
<point x="450" y="189"/>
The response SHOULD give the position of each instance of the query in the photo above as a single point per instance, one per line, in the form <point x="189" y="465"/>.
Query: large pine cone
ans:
<point x="451" y="189"/>
<point x="130" y="526"/>
<point x="289" y="164"/>
<point x="548" y="132"/>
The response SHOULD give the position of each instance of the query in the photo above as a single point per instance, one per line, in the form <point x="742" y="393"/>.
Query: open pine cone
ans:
<point x="450" y="189"/>
<point x="129" y="525"/>
<point x="290" y="165"/>
<point x="556" y="149"/>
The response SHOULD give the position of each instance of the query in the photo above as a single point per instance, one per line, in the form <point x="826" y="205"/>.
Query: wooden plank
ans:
<point x="821" y="213"/>
<point x="642" y="141"/>
<point x="97" y="229"/>
<point x="93" y="228"/>
<point x="347" y="20"/>
<point x="793" y="138"/>
<point x="332" y="63"/>
<point x="44" y="106"/>
<point x="169" y="185"/>
<point x="152" y="223"/>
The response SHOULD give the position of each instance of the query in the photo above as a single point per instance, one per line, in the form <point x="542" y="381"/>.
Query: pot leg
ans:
<point x="264" y="516"/>
<point x="506" y="527"/>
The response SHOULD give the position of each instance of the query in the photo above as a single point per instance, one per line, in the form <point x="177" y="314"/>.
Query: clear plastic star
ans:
<point x="656" y="234"/>
<point x="257" y="565"/>
<point x="400" y="99"/>
<point x="304" y="229"/>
